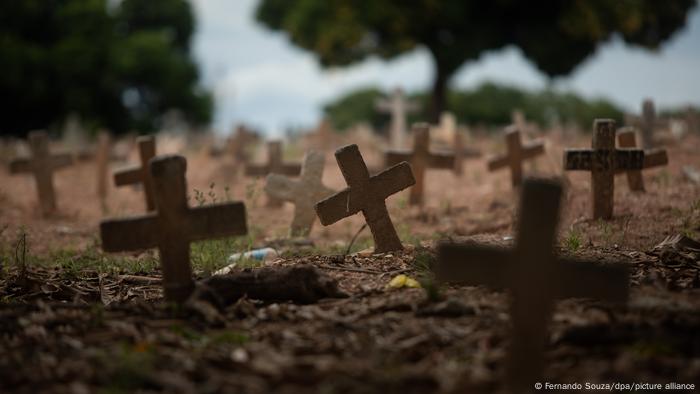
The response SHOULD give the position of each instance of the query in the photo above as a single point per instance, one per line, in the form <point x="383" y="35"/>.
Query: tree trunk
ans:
<point x="438" y="100"/>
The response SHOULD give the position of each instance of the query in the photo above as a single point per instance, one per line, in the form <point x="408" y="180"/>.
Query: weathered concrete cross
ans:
<point x="535" y="276"/>
<point x="366" y="194"/>
<point x="42" y="164"/>
<point x="173" y="226"/>
<point x="603" y="161"/>
<point x="398" y="107"/>
<point x="237" y="144"/>
<point x="303" y="193"/>
<point x="421" y="159"/>
<point x="140" y="173"/>
<point x="517" y="153"/>
<point x="626" y="138"/>
<point x="275" y="164"/>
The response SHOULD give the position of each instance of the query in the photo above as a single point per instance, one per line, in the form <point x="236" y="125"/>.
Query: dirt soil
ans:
<point x="84" y="330"/>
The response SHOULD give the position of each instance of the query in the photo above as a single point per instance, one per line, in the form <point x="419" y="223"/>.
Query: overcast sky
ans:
<point x="259" y="78"/>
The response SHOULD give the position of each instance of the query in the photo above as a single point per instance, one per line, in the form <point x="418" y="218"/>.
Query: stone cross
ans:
<point x="420" y="159"/>
<point x="237" y="144"/>
<point x="140" y="173"/>
<point x="104" y="154"/>
<point x="42" y="164"/>
<point x="535" y="276"/>
<point x="517" y="153"/>
<point x="366" y="194"/>
<point x="324" y="135"/>
<point x="303" y="193"/>
<point x="603" y="161"/>
<point x="626" y="138"/>
<point x="398" y="107"/>
<point x="647" y="123"/>
<point x="173" y="226"/>
<point x="274" y="165"/>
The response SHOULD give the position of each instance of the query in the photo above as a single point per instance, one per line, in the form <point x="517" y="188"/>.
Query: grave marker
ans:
<point x="303" y="193"/>
<point x="237" y="144"/>
<point x="274" y="165"/>
<point x="366" y="194"/>
<point x="517" y="153"/>
<point x="42" y="164"/>
<point x="104" y="154"/>
<point x="603" y="161"/>
<point x="173" y="226"/>
<point x="626" y="138"/>
<point x="397" y="106"/>
<point x="140" y="173"/>
<point x="535" y="276"/>
<point x="420" y="159"/>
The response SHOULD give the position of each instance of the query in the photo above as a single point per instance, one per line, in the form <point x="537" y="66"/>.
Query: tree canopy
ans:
<point x="120" y="65"/>
<point x="555" y="36"/>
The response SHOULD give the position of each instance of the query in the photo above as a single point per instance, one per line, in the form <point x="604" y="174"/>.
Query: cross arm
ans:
<point x="128" y="175"/>
<point x="61" y="160"/>
<point x="393" y="157"/>
<point x="534" y="148"/>
<point x="217" y="220"/>
<point x="579" y="279"/>
<point x="20" y="165"/>
<point x="288" y="169"/>
<point x="442" y="160"/>
<point x="257" y="170"/>
<point x="629" y="159"/>
<point x="336" y="207"/>
<point x="136" y="233"/>
<point x="655" y="158"/>
<point x="473" y="265"/>
<point x="578" y="159"/>
<point x="280" y="187"/>
<point x="498" y="162"/>
<point x="412" y="106"/>
<point x="382" y="105"/>
<point x="392" y="180"/>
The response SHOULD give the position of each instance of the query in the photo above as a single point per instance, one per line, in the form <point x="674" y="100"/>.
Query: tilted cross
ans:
<point x="517" y="153"/>
<point x="421" y="159"/>
<point x="42" y="164"/>
<point x="627" y="138"/>
<point x="140" y="173"/>
<point x="603" y="161"/>
<point x="535" y="276"/>
<point x="366" y="194"/>
<point x="173" y="226"/>
<point x="398" y="107"/>
<point x="303" y="193"/>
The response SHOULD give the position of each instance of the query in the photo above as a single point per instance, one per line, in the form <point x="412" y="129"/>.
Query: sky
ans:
<point x="259" y="78"/>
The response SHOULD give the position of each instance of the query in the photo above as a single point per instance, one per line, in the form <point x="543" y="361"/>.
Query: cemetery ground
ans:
<point x="74" y="319"/>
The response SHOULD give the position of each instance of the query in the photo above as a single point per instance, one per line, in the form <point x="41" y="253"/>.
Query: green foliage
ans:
<point x="489" y="104"/>
<point x="555" y="38"/>
<point x="120" y="65"/>
<point x="573" y="241"/>
<point x="357" y="106"/>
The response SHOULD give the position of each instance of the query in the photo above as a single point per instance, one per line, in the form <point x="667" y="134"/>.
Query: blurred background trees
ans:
<point x="555" y="36"/>
<point x="489" y="104"/>
<point x="121" y="65"/>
